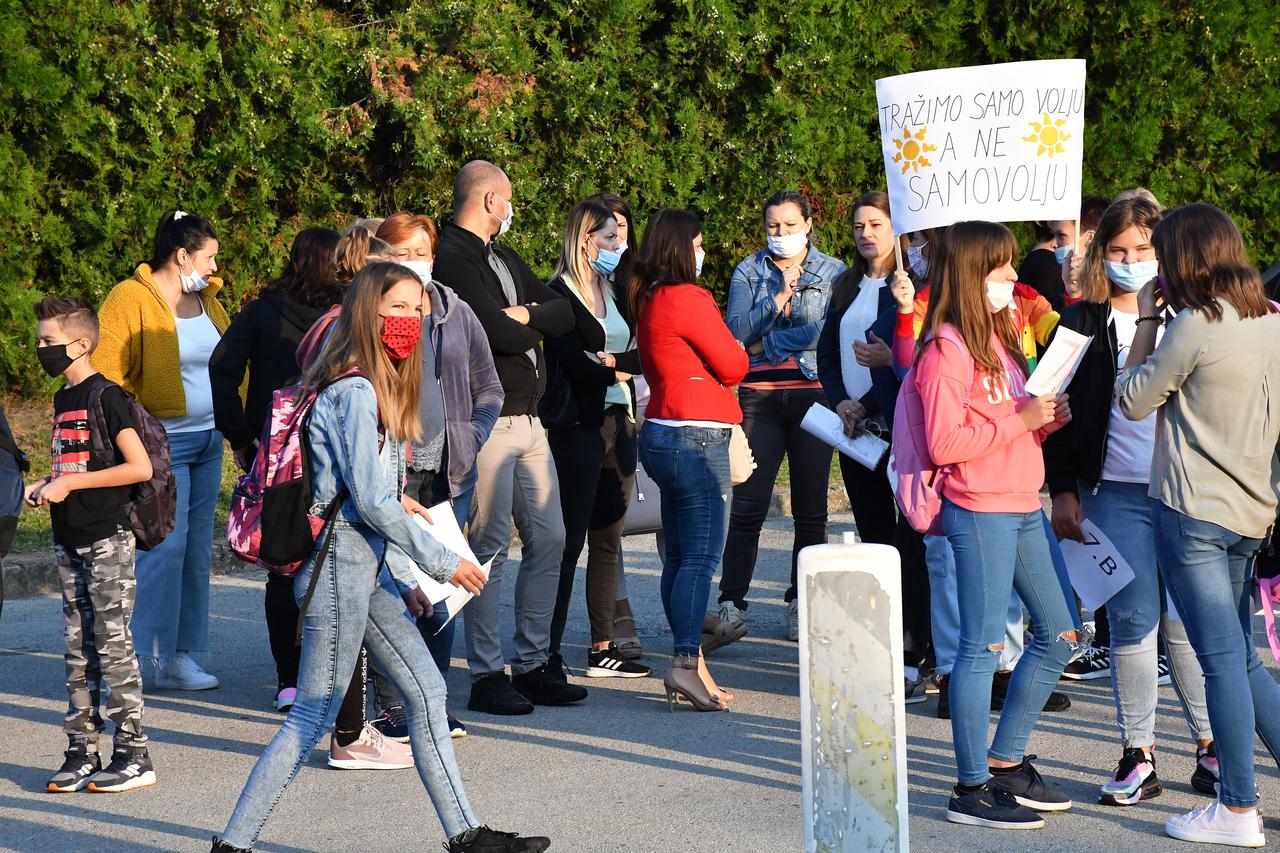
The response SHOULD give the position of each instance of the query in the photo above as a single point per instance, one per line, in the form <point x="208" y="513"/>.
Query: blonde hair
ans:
<point x="356" y="342"/>
<point x="585" y="218"/>
<point x="357" y="247"/>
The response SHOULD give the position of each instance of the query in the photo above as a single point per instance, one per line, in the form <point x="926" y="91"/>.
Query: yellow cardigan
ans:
<point x="138" y="343"/>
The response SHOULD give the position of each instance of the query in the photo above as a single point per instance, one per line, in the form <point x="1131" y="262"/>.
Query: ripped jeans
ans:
<point x="996" y="552"/>
<point x="1123" y="512"/>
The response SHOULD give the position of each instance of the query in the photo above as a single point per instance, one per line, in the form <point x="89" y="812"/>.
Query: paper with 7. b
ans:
<point x="1058" y="364"/>
<point x="1095" y="566"/>
<point x="444" y="528"/>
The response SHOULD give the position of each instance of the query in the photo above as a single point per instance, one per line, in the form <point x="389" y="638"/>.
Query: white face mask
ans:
<point x="504" y="225"/>
<point x="787" y="245"/>
<point x="919" y="263"/>
<point x="422" y="269"/>
<point x="698" y="255"/>
<point x="192" y="282"/>
<point x="999" y="295"/>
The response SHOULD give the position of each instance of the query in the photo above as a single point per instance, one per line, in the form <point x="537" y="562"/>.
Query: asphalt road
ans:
<point x="618" y="773"/>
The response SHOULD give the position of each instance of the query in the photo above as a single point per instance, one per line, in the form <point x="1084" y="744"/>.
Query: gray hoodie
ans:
<point x="463" y="367"/>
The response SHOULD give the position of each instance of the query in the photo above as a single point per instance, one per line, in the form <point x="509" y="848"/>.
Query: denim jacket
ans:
<point x="344" y="453"/>
<point x="753" y="313"/>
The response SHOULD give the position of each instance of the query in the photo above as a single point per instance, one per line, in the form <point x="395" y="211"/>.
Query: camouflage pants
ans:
<point x="98" y="594"/>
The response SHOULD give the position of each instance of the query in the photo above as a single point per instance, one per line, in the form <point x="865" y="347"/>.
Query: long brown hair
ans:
<point x="356" y="342"/>
<point x="665" y="256"/>
<point x="1202" y="260"/>
<point x="1132" y="212"/>
<point x="845" y="287"/>
<point x="967" y="253"/>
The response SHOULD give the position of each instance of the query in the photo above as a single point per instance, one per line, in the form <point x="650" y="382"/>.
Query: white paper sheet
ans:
<point x="444" y="528"/>
<point x="826" y="425"/>
<point x="1095" y="566"/>
<point x="1056" y="367"/>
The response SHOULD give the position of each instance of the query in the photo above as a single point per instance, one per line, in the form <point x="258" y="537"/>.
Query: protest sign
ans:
<point x="1002" y="143"/>
<point x="1095" y="566"/>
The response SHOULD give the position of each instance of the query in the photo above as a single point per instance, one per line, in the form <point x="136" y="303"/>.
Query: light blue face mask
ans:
<point x="605" y="261"/>
<point x="1131" y="277"/>
<point x="1060" y="253"/>
<point x="697" y="262"/>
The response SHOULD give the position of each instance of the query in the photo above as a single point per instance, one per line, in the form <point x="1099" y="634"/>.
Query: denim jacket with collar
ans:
<point x="343" y="430"/>
<point x="753" y="313"/>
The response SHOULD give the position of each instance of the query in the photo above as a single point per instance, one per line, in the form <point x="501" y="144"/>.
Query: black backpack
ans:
<point x="153" y="503"/>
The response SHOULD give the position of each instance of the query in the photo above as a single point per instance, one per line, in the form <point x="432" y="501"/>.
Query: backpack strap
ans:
<point x="99" y="440"/>
<point x="948" y="333"/>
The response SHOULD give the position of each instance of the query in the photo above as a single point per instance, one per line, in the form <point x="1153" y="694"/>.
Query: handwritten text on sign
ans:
<point x="997" y="142"/>
<point x="1096" y="567"/>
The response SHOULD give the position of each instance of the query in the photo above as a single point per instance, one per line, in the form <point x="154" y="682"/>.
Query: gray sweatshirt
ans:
<point x="1217" y="388"/>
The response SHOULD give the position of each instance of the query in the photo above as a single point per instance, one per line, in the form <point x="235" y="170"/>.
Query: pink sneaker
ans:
<point x="285" y="698"/>
<point x="371" y="751"/>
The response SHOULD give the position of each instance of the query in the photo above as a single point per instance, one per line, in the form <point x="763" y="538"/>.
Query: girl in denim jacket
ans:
<point x="358" y="428"/>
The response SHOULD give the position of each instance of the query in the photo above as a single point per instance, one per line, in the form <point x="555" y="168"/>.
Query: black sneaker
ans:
<point x="1093" y="662"/>
<point x="1205" y="778"/>
<point x="493" y="694"/>
<point x="1028" y="787"/>
<point x="541" y="687"/>
<point x="1134" y="780"/>
<point x="607" y="663"/>
<point x="555" y="667"/>
<point x="944" y="697"/>
<point x="1163" y="672"/>
<point x="393" y="724"/>
<point x="220" y="846"/>
<point x="990" y="806"/>
<point x="1056" y="702"/>
<point x="486" y="840"/>
<point x="77" y="767"/>
<point x="130" y="768"/>
<point x="456" y="728"/>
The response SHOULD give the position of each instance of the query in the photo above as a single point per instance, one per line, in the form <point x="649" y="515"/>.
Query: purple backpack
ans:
<point x="918" y="489"/>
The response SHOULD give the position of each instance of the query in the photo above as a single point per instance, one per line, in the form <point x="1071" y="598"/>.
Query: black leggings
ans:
<point x="596" y="467"/>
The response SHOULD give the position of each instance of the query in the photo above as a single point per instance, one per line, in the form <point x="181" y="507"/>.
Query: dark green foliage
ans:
<point x="269" y="115"/>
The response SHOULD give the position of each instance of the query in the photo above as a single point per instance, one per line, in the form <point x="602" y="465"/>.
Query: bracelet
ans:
<point x="1156" y="319"/>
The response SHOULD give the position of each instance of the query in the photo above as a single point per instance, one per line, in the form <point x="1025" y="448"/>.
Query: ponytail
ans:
<point x="180" y="230"/>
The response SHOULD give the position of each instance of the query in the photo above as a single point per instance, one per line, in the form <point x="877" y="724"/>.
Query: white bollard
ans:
<point x="852" y="708"/>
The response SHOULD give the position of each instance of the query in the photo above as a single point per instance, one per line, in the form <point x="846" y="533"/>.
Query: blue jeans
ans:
<point x="1123" y="512"/>
<point x="691" y="467"/>
<point x="350" y="607"/>
<point x="994" y="553"/>
<point x="1209" y="571"/>
<point x="944" y="610"/>
<point x="172" y="615"/>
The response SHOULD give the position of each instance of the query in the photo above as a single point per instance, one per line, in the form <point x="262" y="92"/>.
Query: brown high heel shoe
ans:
<point x="683" y="681"/>
<point x="714" y="689"/>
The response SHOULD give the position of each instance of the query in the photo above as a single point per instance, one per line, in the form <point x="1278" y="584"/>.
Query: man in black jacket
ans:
<point x="515" y="473"/>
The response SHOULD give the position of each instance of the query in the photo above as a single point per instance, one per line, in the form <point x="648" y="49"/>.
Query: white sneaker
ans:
<point x="793" y="620"/>
<point x="1216" y="824"/>
<point x="729" y="613"/>
<point x="182" y="673"/>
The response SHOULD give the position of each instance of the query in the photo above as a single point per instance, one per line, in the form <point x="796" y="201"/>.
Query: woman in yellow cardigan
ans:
<point x="159" y="328"/>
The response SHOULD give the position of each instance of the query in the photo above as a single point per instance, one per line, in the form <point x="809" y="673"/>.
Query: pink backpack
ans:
<point x="271" y="523"/>
<point x="918" y="489"/>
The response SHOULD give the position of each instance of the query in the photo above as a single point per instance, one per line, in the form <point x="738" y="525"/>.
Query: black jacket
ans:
<point x="829" y="355"/>
<point x="462" y="264"/>
<point x="572" y="354"/>
<point x="263" y="337"/>
<point x="1076" y="452"/>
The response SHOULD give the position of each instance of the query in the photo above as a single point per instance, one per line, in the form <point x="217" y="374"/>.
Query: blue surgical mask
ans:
<point x="697" y="262"/>
<point x="918" y="262"/>
<point x="1131" y="277"/>
<point x="1060" y="253"/>
<point x="605" y="261"/>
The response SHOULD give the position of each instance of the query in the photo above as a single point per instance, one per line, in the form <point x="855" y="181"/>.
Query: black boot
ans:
<point x="486" y="840"/>
<point x="220" y="846"/>
<point x="542" y="686"/>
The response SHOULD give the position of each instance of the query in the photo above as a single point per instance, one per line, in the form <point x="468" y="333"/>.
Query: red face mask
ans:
<point x="400" y="335"/>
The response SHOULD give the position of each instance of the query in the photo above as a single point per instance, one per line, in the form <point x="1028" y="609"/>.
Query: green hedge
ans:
<point x="269" y="115"/>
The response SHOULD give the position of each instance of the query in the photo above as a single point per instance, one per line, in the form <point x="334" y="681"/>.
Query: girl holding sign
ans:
<point x="979" y="420"/>
<point x="1099" y="467"/>
<point x="1216" y="382"/>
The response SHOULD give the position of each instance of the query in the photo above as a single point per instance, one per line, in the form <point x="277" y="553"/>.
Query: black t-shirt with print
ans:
<point x="87" y="515"/>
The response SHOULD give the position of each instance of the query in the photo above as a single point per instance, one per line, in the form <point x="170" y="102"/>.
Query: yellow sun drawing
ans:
<point x="911" y="150"/>
<point x="1047" y="136"/>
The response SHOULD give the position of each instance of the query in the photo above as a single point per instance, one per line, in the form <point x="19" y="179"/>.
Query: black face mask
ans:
<point x="54" y="359"/>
